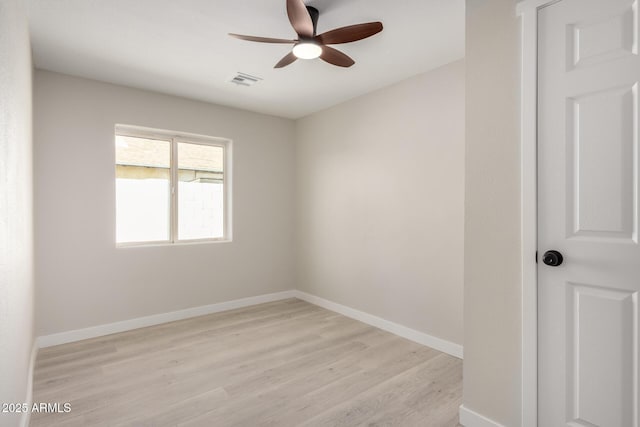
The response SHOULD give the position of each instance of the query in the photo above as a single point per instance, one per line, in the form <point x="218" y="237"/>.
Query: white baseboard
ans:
<point x="141" y="322"/>
<point x="469" y="418"/>
<point x="26" y="416"/>
<point x="156" y="319"/>
<point x="445" y="346"/>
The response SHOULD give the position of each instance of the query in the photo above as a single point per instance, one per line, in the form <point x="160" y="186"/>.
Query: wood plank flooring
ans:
<point x="286" y="363"/>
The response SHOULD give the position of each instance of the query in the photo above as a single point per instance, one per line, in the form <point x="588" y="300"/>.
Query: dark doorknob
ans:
<point x="552" y="258"/>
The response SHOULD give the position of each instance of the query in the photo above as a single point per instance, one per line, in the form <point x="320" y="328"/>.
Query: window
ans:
<point x="170" y="188"/>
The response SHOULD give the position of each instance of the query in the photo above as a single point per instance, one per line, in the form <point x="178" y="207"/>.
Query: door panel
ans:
<point x="602" y="345"/>
<point x="588" y="210"/>
<point x="603" y="37"/>
<point x="608" y="115"/>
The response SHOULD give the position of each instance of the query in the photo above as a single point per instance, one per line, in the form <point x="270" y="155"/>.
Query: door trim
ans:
<point x="527" y="10"/>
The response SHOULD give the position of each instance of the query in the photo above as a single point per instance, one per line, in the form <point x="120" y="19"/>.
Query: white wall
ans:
<point x="16" y="216"/>
<point x="380" y="183"/>
<point x="492" y="284"/>
<point x="83" y="279"/>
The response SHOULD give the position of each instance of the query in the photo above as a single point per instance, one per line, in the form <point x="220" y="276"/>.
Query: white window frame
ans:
<point x="174" y="138"/>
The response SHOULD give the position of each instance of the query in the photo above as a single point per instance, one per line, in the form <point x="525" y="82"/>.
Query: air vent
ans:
<point x="242" y="79"/>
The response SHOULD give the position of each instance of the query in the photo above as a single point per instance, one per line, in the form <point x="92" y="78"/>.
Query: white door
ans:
<point x="588" y="183"/>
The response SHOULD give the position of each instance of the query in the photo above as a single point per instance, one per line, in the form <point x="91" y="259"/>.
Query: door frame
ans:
<point x="527" y="10"/>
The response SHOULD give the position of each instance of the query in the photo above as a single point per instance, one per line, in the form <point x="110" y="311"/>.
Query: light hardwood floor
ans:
<point x="286" y="363"/>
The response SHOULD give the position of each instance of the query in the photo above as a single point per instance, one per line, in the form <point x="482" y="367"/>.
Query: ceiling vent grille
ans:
<point x="243" y="79"/>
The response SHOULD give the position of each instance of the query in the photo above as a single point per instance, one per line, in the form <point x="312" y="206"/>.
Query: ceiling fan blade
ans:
<point x="335" y="57"/>
<point x="300" y="18"/>
<point x="351" y="33"/>
<point x="288" y="59"/>
<point x="260" y="39"/>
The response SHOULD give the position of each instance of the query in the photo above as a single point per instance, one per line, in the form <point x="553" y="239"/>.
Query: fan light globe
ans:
<point x="307" y="50"/>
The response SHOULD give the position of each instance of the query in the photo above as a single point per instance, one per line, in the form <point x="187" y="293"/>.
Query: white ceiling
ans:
<point x="182" y="47"/>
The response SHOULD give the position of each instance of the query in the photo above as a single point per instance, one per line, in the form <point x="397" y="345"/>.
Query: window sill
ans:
<point x="179" y="243"/>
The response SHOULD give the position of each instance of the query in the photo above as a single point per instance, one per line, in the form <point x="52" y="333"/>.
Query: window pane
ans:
<point x="142" y="189"/>
<point x="200" y="191"/>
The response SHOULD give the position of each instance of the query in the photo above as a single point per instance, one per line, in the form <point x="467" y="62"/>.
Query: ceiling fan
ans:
<point x="308" y="45"/>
